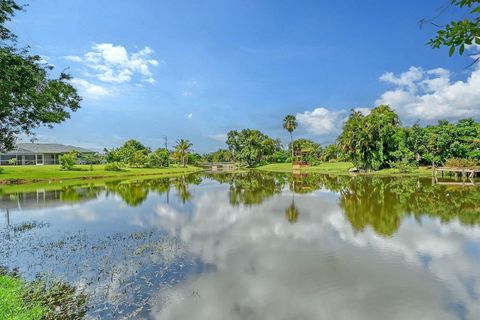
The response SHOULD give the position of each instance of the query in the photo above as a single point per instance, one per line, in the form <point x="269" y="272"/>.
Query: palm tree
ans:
<point x="183" y="147"/>
<point x="290" y="124"/>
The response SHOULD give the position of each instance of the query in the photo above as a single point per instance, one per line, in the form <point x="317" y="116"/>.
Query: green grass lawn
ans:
<point x="26" y="174"/>
<point x="13" y="304"/>
<point x="341" y="168"/>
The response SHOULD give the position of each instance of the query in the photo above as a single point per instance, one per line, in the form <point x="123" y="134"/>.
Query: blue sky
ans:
<point x="197" y="69"/>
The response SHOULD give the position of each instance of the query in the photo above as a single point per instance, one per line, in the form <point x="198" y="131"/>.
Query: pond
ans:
<point x="253" y="246"/>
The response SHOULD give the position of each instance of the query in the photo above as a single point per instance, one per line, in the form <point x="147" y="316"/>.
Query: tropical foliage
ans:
<point x="30" y="97"/>
<point x="158" y="159"/>
<point x="368" y="141"/>
<point x="377" y="141"/>
<point x="252" y="146"/>
<point x="131" y="152"/>
<point x="457" y="35"/>
<point x="69" y="160"/>
<point x="182" y="149"/>
<point x="290" y="124"/>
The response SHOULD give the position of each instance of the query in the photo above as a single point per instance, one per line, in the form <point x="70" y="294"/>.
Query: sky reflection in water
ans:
<point x="247" y="247"/>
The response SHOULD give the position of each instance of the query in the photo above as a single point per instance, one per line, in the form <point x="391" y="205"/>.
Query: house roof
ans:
<point x="29" y="148"/>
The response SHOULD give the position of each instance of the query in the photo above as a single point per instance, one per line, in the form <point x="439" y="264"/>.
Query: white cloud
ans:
<point x="149" y="80"/>
<point x="114" y="64"/>
<point x="431" y="94"/>
<point x="190" y="115"/>
<point x="73" y="58"/>
<point x="320" y="121"/>
<point x="312" y="268"/>
<point x="220" y="137"/>
<point x="186" y="93"/>
<point x="90" y="90"/>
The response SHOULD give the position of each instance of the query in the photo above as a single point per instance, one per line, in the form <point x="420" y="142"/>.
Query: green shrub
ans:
<point x="1" y="170"/>
<point x="281" y="156"/>
<point x="12" y="161"/>
<point x="69" y="160"/>
<point x="115" y="166"/>
<point x="91" y="158"/>
<point x="460" y="163"/>
<point x="138" y="158"/>
<point x="158" y="159"/>
<point x="403" y="166"/>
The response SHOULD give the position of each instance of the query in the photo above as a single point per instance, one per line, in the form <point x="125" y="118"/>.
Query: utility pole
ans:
<point x="166" y="148"/>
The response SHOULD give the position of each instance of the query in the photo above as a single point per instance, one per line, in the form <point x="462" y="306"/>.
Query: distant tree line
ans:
<point x="371" y="142"/>
<point x="135" y="154"/>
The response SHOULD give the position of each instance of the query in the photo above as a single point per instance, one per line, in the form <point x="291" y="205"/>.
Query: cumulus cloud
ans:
<point x="190" y="115"/>
<point x="114" y="64"/>
<point x="320" y="121"/>
<point x="315" y="267"/>
<point x="419" y="94"/>
<point x="90" y="90"/>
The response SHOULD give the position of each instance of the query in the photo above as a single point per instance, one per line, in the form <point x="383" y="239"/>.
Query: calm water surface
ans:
<point x="254" y="246"/>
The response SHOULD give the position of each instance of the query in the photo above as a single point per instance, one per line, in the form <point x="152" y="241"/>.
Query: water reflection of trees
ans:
<point x="382" y="203"/>
<point x="252" y="187"/>
<point x="133" y="193"/>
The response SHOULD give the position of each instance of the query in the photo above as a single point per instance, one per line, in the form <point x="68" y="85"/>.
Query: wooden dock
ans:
<point x="463" y="172"/>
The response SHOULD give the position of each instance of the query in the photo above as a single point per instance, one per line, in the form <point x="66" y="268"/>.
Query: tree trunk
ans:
<point x="291" y="145"/>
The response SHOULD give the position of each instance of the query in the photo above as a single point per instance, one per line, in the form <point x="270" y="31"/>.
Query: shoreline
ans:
<point x="341" y="169"/>
<point x="34" y="174"/>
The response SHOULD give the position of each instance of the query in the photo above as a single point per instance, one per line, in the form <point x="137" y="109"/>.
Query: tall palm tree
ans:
<point x="183" y="147"/>
<point x="290" y="124"/>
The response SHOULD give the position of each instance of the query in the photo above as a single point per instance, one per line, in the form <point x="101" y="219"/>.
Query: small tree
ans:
<point x="138" y="158"/>
<point x="158" y="159"/>
<point x="91" y="158"/>
<point x="182" y="148"/>
<point x="68" y="161"/>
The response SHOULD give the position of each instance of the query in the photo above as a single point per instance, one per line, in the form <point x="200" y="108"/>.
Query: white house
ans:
<point x="38" y="153"/>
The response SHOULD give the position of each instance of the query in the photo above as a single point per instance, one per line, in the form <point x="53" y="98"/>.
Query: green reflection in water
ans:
<point x="367" y="202"/>
<point x="376" y="202"/>
<point x="382" y="203"/>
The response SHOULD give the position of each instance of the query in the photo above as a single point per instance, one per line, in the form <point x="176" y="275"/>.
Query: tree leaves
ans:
<point x="29" y="96"/>
<point x="461" y="33"/>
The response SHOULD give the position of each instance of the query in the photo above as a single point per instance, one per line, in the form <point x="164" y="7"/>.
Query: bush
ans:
<point x="91" y="158"/>
<point x="1" y="170"/>
<point x="460" y="163"/>
<point x="12" y="161"/>
<point x="157" y="159"/>
<point x="138" y="158"/>
<point x="281" y="156"/>
<point x="403" y="166"/>
<point x="115" y="166"/>
<point x="69" y="160"/>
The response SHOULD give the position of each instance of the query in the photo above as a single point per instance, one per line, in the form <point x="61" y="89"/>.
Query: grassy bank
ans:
<point x="13" y="301"/>
<point x="341" y="168"/>
<point x="39" y="300"/>
<point x="31" y="174"/>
